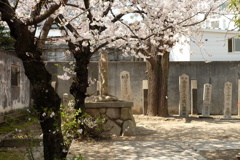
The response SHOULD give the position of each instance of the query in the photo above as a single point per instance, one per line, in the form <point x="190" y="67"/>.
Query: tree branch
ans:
<point x="45" y="15"/>
<point x="44" y="33"/>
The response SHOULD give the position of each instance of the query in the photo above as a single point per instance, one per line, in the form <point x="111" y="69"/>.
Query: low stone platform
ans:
<point x="120" y="120"/>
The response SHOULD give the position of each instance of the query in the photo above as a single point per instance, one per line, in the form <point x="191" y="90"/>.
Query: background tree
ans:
<point x="23" y="18"/>
<point x="6" y="41"/>
<point x="156" y="30"/>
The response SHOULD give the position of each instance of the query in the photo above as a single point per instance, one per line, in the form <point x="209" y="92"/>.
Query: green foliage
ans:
<point x="84" y="126"/>
<point x="6" y="41"/>
<point x="234" y="6"/>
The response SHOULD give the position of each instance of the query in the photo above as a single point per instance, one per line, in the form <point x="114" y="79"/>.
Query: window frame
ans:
<point x="16" y="75"/>
<point x="231" y="45"/>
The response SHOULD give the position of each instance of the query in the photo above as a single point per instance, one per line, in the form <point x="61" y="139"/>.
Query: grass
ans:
<point x="12" y="124"/>
<point x="11" y="154"/>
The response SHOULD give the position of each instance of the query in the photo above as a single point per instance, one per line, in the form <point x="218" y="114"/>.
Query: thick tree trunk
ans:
<point x="46" y="102"/>
<point x="163" y="99"/>
<point x="153" y="87"/>
<point x="157" y="86"/>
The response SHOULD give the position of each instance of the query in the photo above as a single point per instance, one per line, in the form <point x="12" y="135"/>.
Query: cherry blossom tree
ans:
<point x="159" y="26"/>
<point x="91" y="27"/>
<point x="23" y="17"/>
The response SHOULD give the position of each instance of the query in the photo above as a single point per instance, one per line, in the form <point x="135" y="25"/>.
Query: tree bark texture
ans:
<point x="46" y="100"/>
<point x="80" y="82"/>
<point x="157" y="85"/>
<point x="153" y="87"/>
<point x="163" y="97"/>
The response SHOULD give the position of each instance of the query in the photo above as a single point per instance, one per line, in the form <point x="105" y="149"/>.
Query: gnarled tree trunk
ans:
<point x="46" y="100"/>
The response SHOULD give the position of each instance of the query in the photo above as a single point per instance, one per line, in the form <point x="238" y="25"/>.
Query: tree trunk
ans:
<point x="163" y="89"/>
<point x="46" y="102"/>
<point x="79" y="86"/>
<point x="80" y="82"/>
<point x="157" y="86"/>
<point x="153" y="86"/>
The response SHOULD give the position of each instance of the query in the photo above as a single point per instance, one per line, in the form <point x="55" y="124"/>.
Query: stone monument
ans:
<point x="227" y="100"/>
<point x="103" y="80"/>
<point x="125" y="86"/>
<point x="118" y="113"/>
<point x="184" y="95"/>
<point x="207" y="95"/>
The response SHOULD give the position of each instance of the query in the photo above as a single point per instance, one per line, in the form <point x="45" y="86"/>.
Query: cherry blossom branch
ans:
<point x="87" y="6"/>
<point x="46" y="14"/>
<point x="37" y="8"/>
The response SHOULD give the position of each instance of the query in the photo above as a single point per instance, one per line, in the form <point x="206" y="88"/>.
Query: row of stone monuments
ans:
<point x="185" y="106"/>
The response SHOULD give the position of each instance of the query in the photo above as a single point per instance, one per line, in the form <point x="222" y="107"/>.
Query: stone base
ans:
<point x="119" y="117"/>
<point x="223" y="118"/>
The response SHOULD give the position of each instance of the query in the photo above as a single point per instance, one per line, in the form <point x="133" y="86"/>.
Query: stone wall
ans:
<point x="14" y="85"/>
<point x="118" y="114"/>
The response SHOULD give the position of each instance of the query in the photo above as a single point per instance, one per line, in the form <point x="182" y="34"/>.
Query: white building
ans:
<point x="215" y="45"/>
<point x="217" y="41"/>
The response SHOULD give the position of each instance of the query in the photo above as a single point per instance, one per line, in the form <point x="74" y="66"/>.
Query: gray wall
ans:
<point x="136" y="70"/>
<point x="216" y="73"/>
<point x="12" y="97"/>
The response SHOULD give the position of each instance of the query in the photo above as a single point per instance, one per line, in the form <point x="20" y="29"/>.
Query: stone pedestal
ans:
<point x="120" y="120"/>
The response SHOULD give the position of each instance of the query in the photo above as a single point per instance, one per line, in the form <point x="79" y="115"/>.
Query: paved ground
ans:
<point x="170" y="138"/>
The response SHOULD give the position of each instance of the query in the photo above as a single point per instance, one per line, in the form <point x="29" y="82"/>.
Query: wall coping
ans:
<point x="110" y="104"/>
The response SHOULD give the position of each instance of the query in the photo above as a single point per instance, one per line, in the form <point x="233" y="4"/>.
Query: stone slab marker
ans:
<point x="184" y="95"/>
<point x="238" y="104"/>
<point x="103" y="73"/>
<point x="227" y="100"/>
<point x="207" y="96"/>
<point x="144" y="96"/>
<point x="125" y="85"/>
<point x="193" y="97"/>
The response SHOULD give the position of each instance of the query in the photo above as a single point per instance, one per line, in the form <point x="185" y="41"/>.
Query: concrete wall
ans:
<point x="12" y="97"/>
<point x="136" y="70"/>
<point x="216" y="73"/>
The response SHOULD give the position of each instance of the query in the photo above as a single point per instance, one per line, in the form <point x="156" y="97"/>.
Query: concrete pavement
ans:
<point x="153" y="149"/>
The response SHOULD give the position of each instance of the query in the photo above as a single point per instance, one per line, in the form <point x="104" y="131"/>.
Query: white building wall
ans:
<point x="209" y="45"/>
<point x="214" y="47"/>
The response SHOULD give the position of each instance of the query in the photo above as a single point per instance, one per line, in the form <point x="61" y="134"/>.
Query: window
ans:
<point x="234" y="45"/>
<point x="15" y="75"/>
